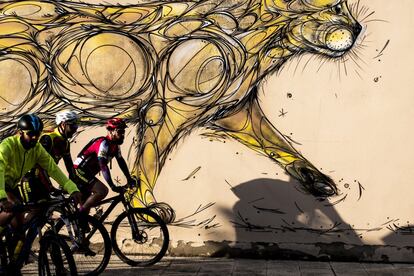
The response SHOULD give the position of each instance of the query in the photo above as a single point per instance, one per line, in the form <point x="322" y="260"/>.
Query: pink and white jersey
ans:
<point x="87" y="160"/>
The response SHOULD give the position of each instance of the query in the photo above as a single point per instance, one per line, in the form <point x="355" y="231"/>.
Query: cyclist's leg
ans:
<point x="5" y="217"/>
<point x="98" y="191"/>
<point x="95" y="191"/>
<point x="18" y="235"/>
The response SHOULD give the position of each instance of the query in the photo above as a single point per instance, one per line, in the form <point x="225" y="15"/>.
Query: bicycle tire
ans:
<point x="49" y="262"/>
<point x="100" y="244"/>
<point x="4" y="254"/>
<point x="151" y="248"/>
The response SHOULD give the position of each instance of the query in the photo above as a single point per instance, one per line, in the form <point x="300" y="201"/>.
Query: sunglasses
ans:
<point x="120" y="131"/>
<point x="31" y="133"/>
<point x="72" y="125"/>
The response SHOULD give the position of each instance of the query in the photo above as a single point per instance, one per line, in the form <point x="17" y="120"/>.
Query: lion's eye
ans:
<point x="337" y="9"/>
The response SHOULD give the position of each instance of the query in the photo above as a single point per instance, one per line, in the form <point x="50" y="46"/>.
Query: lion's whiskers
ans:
<point x="312" y="57"/>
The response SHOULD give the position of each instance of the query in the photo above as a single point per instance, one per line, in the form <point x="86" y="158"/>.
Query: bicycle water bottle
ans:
<point x="18" y="249"/>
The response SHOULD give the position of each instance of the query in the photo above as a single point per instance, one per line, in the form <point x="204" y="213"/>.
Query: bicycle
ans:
<point x="54" y="257"/>
<point x="92" y="250"/>
<point x="139" y="236"/>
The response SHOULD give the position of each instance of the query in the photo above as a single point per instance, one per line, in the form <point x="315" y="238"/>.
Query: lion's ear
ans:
<point x="282" y="5"/>
<point x="276" y="4"/>
<point x="299" y="5"/>
<point x="321" y="3"/>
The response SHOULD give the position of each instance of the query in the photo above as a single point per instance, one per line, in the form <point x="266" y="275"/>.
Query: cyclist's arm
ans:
<point x="69" y="165"/>
<point x="3" y="194"/>
<point x="47" y="163"/>
<point x="4" y="160"/>
<point x="46" y="142"/>
<point x="103" y="163"/>
<point x="43" y="176"/>
<point x="124" y="168"/>
<point x="106" y="173"/>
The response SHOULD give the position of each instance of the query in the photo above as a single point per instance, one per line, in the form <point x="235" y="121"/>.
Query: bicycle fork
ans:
<point x="137" y="235"/>
<point x="73" y="237"/>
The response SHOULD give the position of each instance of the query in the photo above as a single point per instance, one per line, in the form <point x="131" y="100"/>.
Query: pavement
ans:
<point x="245" y="267"/>
<point x="249" y="267"/>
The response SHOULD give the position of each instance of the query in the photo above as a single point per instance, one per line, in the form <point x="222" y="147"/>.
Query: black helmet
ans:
<point x="30" y="122"/>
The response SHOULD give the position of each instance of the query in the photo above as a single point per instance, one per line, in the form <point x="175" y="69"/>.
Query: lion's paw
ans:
<point x="312" y="180"/>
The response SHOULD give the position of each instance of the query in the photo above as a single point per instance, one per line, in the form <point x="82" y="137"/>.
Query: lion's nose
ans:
<point x="357" y="29"/>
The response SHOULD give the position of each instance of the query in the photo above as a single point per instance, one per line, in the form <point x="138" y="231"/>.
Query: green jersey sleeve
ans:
<point x="3" y="158"/>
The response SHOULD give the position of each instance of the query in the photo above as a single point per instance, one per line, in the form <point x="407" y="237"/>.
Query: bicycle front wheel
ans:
<point x="139" y="237"/>
<point x="91" y="250"/>
<point x="55" y="257"/>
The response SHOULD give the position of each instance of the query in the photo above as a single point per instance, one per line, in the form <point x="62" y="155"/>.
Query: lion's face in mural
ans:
<point x="322" y="27"/>
<point x="330" y="30"/>
<point x="142" y="62"/>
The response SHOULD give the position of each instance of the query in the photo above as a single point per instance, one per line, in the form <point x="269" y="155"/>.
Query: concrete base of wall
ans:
<point x="336" y="251"/>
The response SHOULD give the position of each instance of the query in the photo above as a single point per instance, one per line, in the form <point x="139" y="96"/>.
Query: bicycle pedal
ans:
<point x="90" y="253"/>
<point x="87" y="252"/>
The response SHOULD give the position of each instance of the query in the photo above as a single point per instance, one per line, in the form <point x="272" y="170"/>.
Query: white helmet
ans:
<point x="66" y="116"/>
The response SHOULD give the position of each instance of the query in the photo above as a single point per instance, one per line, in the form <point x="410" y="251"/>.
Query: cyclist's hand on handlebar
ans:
<point x="6" y="206"/>
<point x="117" y="189"/>
<point x="133" y="181"/>
<point x="77" y="197"/>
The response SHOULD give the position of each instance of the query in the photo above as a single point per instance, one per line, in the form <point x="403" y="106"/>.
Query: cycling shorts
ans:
<point x="84" y="182"/>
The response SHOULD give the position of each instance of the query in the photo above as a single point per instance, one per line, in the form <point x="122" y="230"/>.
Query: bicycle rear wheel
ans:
<point x="55" y="257"/>
<point x="91" y="253"/>
<point x="139" y="237"/>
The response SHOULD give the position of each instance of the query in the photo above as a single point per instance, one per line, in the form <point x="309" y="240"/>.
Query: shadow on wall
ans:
<point x="272" y="220"/>
<point x="279" y="222"/>
<point x="401" y="235"/>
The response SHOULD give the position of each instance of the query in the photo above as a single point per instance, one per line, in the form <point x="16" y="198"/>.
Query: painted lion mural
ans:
<point x="168" y="67"/>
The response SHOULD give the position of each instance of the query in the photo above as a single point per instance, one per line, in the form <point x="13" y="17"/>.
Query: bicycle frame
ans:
<point x="113" y="203"/>
<point x="67" y="216"/>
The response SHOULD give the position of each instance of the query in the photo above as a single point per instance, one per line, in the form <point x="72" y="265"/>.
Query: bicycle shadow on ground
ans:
<point x="274" y="215"/>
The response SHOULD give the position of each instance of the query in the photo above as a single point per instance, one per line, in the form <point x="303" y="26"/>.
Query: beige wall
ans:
<point x="354" y="128"/>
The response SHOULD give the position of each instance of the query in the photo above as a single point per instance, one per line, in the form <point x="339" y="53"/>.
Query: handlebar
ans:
<point x="20" y="208"/>
<point x="17" y="208"/>
<point x="135" y="185"/>
<point x="58" y="198"/>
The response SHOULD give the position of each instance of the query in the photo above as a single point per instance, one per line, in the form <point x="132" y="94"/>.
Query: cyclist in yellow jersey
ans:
<point x="20" y="153"/>
<point x="57" y="144"/>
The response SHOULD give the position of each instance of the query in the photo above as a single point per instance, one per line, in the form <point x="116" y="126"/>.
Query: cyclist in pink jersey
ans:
<point x="94" y="158"/>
